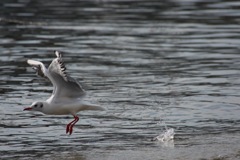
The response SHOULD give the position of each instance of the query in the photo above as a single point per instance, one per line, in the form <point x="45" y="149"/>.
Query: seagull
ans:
<point x="67" y="96"/>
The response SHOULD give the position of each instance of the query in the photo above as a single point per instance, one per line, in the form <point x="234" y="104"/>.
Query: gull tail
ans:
<point x="87" y="106"/>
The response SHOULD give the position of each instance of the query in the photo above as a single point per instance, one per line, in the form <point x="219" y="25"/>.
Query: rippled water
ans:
<point x="149" y="63"/>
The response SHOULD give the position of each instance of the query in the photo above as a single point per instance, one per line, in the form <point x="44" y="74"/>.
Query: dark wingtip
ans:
<point x="58" y="54"/>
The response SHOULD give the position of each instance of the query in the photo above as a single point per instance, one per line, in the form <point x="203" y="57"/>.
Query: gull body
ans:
<point x="62" y="108"/>
<point x="67" y="96"/>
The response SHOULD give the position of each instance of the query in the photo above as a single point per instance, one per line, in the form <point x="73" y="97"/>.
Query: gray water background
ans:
<point x="149" y="63"/>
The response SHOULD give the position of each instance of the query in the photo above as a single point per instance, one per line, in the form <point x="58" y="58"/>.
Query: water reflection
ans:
<point x="146" y="62"/>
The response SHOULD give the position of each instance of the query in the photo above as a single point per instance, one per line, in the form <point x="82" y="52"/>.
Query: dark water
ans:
<point x="148" y="62"/>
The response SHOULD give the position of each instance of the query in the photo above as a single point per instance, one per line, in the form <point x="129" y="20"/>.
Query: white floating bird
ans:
<point x="67" y="96"/>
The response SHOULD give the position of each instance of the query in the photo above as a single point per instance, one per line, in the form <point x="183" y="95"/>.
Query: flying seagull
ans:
<point x="67" y="96"/>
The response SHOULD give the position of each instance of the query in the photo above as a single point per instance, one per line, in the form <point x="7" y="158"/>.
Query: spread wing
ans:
<point x="65" y="87"/>
<point x="39" y="67"/>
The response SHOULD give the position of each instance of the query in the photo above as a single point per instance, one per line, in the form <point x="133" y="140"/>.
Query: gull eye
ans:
<point x="41" y="105"/>
<point x="35" y="105"/>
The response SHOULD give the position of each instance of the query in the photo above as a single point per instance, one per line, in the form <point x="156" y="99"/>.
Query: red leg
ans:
<point x="71" y="124"/>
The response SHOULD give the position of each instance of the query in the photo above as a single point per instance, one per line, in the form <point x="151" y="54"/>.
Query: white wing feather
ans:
<point x="39" y="67"/>
<point x="65" y="87"/>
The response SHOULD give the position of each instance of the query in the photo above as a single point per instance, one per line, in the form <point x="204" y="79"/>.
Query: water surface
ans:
<point x="149" y="63"/>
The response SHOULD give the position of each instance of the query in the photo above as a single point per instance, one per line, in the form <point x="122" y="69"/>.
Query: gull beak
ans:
<point x="27" y="109"/>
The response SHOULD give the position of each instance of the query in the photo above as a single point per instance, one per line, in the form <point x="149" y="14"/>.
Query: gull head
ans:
<point x="36" y="106"/>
